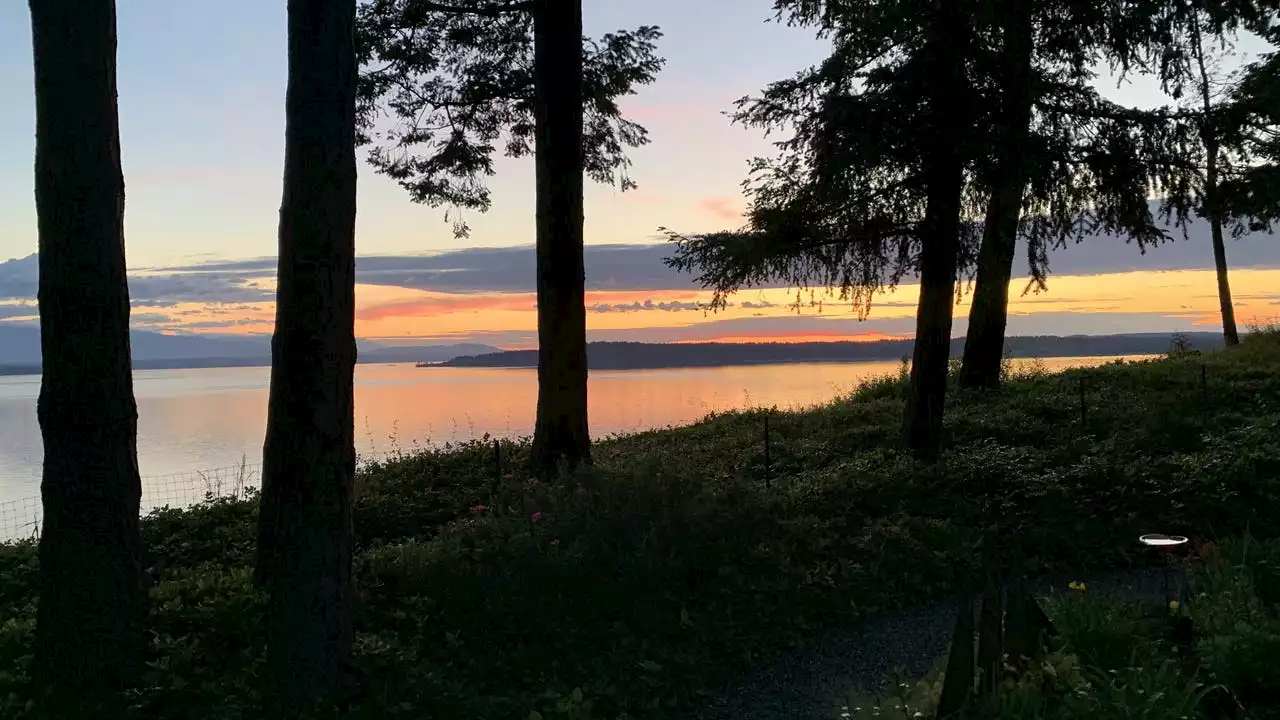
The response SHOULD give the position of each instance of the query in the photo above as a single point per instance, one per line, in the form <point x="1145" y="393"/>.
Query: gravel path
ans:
<point x="804" y="684"/>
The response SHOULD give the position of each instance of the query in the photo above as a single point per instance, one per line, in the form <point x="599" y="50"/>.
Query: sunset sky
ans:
<point x="201" y="103"/>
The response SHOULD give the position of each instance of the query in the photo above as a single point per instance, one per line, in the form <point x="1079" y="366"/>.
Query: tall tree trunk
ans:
<point x="989" y="313"/>
<point x="1211" y="202"/>
<point x="560" y="434"/>
<point x="308" y="458"/>
<point x="940" y="232"/>
<point x="89" y="617"/>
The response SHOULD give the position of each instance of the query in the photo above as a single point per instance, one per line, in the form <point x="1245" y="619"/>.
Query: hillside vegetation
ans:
<point x="689" y="555"/>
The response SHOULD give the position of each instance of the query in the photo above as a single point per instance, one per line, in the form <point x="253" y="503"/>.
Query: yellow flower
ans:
<point x="1173" y="607"/>
<point x="1077" y="586"/>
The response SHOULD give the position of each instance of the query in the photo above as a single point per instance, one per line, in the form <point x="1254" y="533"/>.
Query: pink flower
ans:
<point x="475" y="551"/>
<point x="735" y="467"/>
<point x="533" y="481"/>
<point x="555" y="542"/>
<point x="617" y="453"/>
<point x="507" y="476"/>
<point x="479" y="508"/>
<point x="582" y="492"/>
<point x="536" y="516"/>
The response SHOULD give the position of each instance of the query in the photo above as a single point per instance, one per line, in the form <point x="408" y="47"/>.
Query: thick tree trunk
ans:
<point x="989" y="313"/>
<point x="560" y="434"/>
<point x="926" y="397"/>
<point x="304" y="531"/>
<point x="89" y="617"/>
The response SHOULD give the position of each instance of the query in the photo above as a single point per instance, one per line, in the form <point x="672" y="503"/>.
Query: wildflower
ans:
<point x="532" y="481"/>
<point x="617" y="453"/>
<point x="536" y="516"/>
<point x="1173" y="607"/>
<point x="507" y="476"/>
<point x="582" y="492"/>
<point x="1077" y="586"/>
<point x="475" y="551"/>
<point x="479" y="508"/>
<point x="555" y="542"/>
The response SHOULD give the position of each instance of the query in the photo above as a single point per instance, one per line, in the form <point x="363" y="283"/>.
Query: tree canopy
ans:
<point x="445" y="88"/>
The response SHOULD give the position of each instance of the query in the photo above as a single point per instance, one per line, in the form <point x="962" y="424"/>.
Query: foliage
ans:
<point x="1105" y="633"/>
<point x="681" y="559"/>
<point x="1254" y="118"/>
<point x="839" y="207"/>
<point x="456" y="82"/>
<point x="1115" y="657"/>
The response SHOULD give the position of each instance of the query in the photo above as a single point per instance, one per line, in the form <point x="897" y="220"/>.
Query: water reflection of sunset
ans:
<point x="191" y="420"/>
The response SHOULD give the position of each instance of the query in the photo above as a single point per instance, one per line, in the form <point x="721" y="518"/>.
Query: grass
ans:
<point x="1124" y="659"/>
<point x="684" y="559"/>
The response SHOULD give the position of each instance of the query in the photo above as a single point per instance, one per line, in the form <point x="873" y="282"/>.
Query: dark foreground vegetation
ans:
<point x="1206" y="647"/>
<point x="687" y="556"/>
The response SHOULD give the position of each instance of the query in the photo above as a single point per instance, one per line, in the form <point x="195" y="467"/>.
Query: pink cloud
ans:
<point x="723" y="207"/>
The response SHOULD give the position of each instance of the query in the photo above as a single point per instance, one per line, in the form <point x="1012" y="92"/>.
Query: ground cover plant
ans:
<point x="1204" y="652"/>
<point x="687" y="556"/>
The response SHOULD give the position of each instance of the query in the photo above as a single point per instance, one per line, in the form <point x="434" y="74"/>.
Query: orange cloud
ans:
<point x="784" y="336"/>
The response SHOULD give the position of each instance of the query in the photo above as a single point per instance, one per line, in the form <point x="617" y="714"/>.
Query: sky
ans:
<point x="202" y="125"/>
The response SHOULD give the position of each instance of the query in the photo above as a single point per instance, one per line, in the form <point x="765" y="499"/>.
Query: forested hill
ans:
<point x="634" y="356"/>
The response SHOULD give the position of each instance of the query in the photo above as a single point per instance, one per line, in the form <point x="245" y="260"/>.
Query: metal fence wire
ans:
<point x="21" y="519"/>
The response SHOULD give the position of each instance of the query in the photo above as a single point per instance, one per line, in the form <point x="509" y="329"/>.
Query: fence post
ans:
<point x="497" y="466"/>
<point x="768" y="481"/>
<point x="1084" y="408"/>
<point x="1204" y="383"/>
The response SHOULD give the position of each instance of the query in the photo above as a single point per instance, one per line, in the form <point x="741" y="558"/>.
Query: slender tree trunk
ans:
<point x="1211" y="202"/>
<point x="989" y="313"/>
<point x="560" y="434"/>
<point x="939" y="234"/>
<point x="1229" y="333"/>
<point x="304" y="531"/>
<point x="89" y="616"/>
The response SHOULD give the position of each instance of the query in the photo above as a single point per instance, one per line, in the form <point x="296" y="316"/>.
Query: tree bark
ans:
<point x="305" y="525"/>
<point x="988" y="315"/>
<point x="89" y="616"/>
<point x="560" y="435"/>
<point x="944" y="169"/>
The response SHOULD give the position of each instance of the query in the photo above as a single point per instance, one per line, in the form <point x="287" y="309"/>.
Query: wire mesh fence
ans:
<point x="21" y="519"/>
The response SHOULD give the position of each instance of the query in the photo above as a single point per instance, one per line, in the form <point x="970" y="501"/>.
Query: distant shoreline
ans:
<point x="655" y="356"/>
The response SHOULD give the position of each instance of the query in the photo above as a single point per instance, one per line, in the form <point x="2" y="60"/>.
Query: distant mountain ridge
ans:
<point x="641" y="356"/>
<point x="20" y="350"/>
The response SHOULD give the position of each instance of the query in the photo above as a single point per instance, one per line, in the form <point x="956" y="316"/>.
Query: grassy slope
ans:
<point x="680" y="561"/>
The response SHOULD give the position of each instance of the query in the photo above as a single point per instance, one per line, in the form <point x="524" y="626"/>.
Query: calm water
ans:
<point x="190" y="420"/>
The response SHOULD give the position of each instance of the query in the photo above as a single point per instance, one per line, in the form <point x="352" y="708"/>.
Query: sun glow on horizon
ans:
<point x="509" y="320"/>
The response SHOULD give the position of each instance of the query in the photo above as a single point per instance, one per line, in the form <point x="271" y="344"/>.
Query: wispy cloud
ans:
<point x="726" y="208"/>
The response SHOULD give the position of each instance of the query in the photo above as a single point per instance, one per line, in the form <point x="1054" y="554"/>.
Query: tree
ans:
<point x="89" y="616"/>
<point x="1253" y="120"/>
<point x="458" y="80"/>
<point x="1184" y="60"/>
<point x="561" y="430"/>
<point x="305" y="526"/>
<point x="872" y="184"/>
<point x="984" y="341"/>
<point x="947" y="126"/>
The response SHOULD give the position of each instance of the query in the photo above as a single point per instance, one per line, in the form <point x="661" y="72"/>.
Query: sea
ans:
<point x="200" y="429"/>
